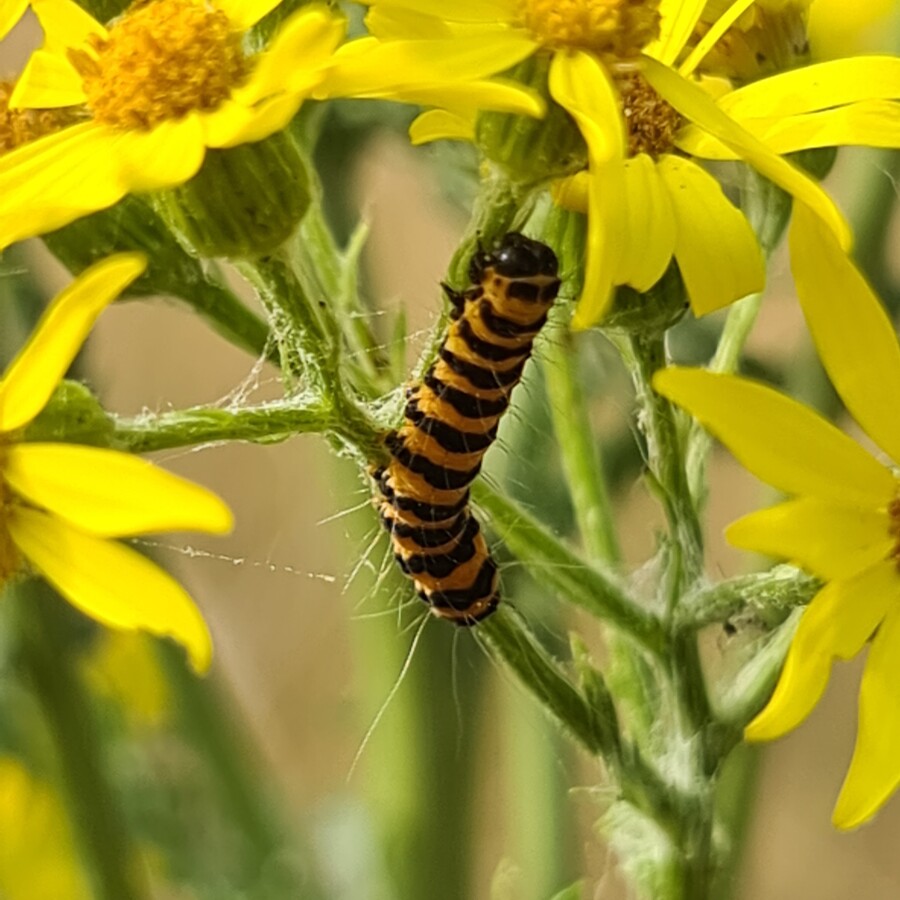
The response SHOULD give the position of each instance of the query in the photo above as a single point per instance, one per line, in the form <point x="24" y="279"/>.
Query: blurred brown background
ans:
<point x="284" y="622"/>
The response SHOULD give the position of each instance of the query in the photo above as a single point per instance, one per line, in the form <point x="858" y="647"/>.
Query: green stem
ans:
<point x="645" y="355"/>
<point x="205" y="425"/>
<point x="553" y="565"/>
<point x="771" y="596"/>
<point x="335" y="274"/>
<point x="99" y="823"/>
<point x="506" y="634"/>
<point x="306" y="343"/>
<point x="579" y="451"/>
<point x="741" y="319"/>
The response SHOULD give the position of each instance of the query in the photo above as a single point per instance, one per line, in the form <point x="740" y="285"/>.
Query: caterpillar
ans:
<point x="450" y="421"/>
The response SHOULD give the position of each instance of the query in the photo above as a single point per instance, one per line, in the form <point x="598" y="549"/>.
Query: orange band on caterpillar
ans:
<point x="451" y="420"/>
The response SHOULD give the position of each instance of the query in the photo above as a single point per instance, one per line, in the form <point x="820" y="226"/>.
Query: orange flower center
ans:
<point x="617" y="28"/>
<point x="650" y="121"/>
<point x="162" y="60"/>
<point x="21" y="126"/>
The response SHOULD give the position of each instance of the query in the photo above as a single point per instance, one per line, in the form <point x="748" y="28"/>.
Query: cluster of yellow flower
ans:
<point x="652" y="90"/>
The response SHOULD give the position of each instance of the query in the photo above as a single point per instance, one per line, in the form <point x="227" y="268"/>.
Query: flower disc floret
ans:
<point x="619" y="28"/>
<point x="651" y="123"/>
<point x="161" y="61"/>
<point x="21" y="126"/>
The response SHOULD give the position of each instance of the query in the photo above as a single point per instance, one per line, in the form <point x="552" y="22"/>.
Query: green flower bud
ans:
<point x="529" y="150"/>
<point x="244" y="202"/>
<point x="73" y="415"/>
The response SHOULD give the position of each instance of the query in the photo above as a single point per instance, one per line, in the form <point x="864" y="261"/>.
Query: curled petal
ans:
<point x="826" y="539"/>
<point x="716" y="249"/>
<point x="695" y="104"/>
<point x="581" y="86"/>
<point x="874" y="772"/>
<point x="111" y="494"/>
<point x="167" y="155"/>
<point x="779" y="440"/>
<point x="678" y="18"/>
<point x="294" y="60"/>
<point x="232" y="124"/>
<point x="441" y="124"/>
<point x="836" y="625"/>
<point x="33" y="375"/>
<point x="648" y="226"/>
<point x="111" y="582"/>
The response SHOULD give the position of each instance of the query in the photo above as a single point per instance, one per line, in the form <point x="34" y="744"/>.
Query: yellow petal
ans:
<point x="779" y="440"/>
<point x="373" y="69"/>
<point x="41" y="363"/>
<point x="53" y="181"/>
<point x="712" y="37"/>
<point x="111" y="582"/>
<point x="875" y="768"/>
<point x="38" y="855"/>
<point x="244" y="14"/>
<point x="647" y="225"/>
<point x="869" y="123"/>
<point x="10" y="13"/>
<point x="836" y="625"/>
<point x="472" y="96"/>
<point x="48" y="81"/>
<point x="693" y="103"/>
<point x="852" y="332"/>
<point x="487" y="11"/>
<point x="232" y="124"/>
<point x="111" y="494"/>
<point x="167" y="155"/>
<point x="716" y="249"/>
<point x="441" y="125"/>
<point x="295" y="57"/>
<point x="572" y="192"/>
<point x="604" y="245"/>
<point x="811" y="88"/>
<point x="65" y="24"/>
<point x="391" y="24"/>
<point x="826" y="539"/>
<point x="581" y="86"/>
<point x="678" y="18"/>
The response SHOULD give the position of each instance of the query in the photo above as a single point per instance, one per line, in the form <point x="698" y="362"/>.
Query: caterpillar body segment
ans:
<point x="451" y="420"/>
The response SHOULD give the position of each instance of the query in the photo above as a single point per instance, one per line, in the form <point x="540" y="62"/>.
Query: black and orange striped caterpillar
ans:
<point x="451" y="419"/>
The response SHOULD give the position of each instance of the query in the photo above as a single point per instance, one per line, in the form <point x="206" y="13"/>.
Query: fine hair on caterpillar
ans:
<point x="451" y="420"/>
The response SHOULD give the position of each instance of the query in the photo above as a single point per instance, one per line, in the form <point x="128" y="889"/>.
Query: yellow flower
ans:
<point x="38" y="859"/>
<point x="170" y="79"/>
<point x="646" y="202"/>
<point x="61" y="504"/>
<point x="843" y="521"/>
